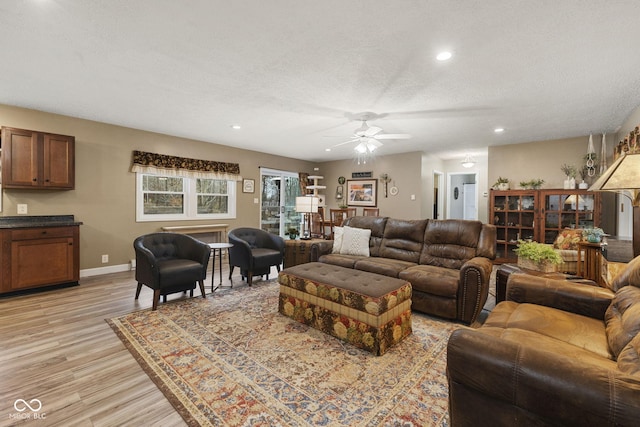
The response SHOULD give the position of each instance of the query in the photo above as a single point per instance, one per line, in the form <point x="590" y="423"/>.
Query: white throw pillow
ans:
<point x="337" y="240"/>
<point x="355" y="241"/>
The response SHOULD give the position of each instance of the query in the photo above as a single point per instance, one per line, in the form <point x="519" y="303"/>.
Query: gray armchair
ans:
<point x="254" y="251"/>
<point x="169" y="263"/>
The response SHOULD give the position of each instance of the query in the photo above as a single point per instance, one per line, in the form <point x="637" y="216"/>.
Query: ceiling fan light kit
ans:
<point x="468" y="162"/>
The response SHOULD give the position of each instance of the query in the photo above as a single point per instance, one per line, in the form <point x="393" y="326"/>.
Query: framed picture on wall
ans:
<point x="362" y="192"/>
<point x="248" y="185"/>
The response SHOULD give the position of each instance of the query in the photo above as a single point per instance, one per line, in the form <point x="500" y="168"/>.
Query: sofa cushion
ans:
<point x="355" y="241"/>
<point x="629" y="276"/>
<point x="385" y="266"/>
<point x="375" y="224"/>
<point x="629" y="358"/>
<point x="403" y="239"/>
<point x="433" y="280"/>
<point x="562" y="326"/>
<point x="348" y="261"/>
<point x="450" y="243"/>
<point x="623" y="318"/>
<point x="568" y="239"/>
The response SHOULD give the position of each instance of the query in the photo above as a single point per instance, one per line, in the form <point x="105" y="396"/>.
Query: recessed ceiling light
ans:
<point x="498" y="130"/>
<point x="443" y="56"/>
<point x="327" y="149"/>
<point x="236" y="127"/>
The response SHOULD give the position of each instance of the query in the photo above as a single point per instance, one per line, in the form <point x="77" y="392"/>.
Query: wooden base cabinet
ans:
<point x="37" y="257"/>
<point x="539" y="215"/>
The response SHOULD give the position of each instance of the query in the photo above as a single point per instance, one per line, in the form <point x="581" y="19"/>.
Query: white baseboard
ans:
<point x="105" y="270"/>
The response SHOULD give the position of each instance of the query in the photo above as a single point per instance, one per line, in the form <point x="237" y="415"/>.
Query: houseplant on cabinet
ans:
<point x="537" y="256"/>
<point x="501" y="184"/>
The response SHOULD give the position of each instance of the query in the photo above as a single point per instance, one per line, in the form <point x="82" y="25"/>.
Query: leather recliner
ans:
<point x="553" y="353"/>
<point x="255" y="251"/>
<point x="169" y="263"/>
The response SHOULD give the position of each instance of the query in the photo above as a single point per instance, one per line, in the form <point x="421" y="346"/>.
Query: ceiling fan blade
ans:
<point x="374" y="142"/>
<point x="372" y="130"/>
<point x="392" y="136"/>
<point x="346" y="142"/>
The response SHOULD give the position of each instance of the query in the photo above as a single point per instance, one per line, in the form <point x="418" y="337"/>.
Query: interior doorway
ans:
<point x="462" y="195"/>
<point x="438" y="195"/>
<point x="278" y="192"/>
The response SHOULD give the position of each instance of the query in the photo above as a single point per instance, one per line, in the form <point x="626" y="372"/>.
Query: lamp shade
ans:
<point x="307" y="204"/>
<point x="623" y="176"/>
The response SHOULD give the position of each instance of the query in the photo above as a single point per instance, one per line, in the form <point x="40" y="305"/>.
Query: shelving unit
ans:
<point x="539" y="215"/>
<point x="315" y="187"/>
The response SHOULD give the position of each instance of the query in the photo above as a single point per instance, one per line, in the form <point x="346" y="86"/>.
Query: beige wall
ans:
<point x="104" y="197"/>
<point x="404" y="170"/>
<point x="542" y="159"/>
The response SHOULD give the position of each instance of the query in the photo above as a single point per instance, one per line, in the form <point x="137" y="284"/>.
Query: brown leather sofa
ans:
<point x="447" y="262"/>
<point x="553" y="353"/>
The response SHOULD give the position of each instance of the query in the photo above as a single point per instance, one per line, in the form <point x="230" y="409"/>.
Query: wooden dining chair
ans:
<point x="337" y="216"/>
<point x="370" y="211"/>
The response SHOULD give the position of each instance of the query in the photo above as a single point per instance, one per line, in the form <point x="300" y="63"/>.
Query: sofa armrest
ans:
<point x="320" y="248"/>
<point x="474" y="288"/>
<point x="591" y="301"/>
<point x="511" y="381"/>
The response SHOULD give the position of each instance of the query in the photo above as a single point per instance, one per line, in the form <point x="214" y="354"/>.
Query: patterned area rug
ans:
<point x="232" y="360"/>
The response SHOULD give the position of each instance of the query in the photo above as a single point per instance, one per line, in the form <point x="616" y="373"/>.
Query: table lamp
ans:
<point x="306" y="205"/>
<point x="623" y="177"/>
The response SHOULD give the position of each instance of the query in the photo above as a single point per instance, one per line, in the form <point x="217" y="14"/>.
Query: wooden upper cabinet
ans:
<point x="37" y="160"/>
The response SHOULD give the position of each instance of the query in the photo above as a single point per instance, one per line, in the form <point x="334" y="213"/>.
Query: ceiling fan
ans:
<point x="368" y="137"/>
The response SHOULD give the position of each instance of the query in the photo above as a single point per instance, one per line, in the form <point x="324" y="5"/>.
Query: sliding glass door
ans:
<point x="278" y="192"/>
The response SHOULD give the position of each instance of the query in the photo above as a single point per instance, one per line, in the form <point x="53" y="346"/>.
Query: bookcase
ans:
<point x="539" y="215"/>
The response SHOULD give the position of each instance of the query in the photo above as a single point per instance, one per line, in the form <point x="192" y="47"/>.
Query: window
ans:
<point x="167" y="198"/>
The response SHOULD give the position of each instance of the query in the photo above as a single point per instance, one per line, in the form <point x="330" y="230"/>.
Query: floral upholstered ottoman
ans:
<point x="368" y="310"/>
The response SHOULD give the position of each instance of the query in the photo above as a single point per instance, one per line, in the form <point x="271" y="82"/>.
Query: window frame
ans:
<point x="190" y="201"/>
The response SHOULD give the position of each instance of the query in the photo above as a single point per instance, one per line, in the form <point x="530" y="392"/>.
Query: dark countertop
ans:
<point x="38" y="221"/>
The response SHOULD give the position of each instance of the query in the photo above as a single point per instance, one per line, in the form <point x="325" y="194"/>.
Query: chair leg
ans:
<point x="231" y="267"/>
<point x="250" y="278"/>
<point x="190" y="293"/>
<point x="138" y="290"/>
<point x="164" y="298"/>
<point x="202" y="288"/>
<point x="156" y="297"/>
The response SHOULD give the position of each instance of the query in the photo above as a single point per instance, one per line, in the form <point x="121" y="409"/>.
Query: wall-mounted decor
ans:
<point x="248" y="185"/>
<point x="362" y="192"/>
<point x="339" y="192"/>
<point x="361" y="174"/>
<point x="341" y="180"/>
<point x="393" y="190"/>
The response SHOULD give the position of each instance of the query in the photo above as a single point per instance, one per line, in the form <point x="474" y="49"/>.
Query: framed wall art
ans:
<point x="362" y="192"/>
<point x="248" y="185"/>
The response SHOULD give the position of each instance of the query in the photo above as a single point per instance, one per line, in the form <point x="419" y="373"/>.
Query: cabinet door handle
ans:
<point x="35" y="179"/>
<point x="44" y="232"/>
<point x="70" y="244"/>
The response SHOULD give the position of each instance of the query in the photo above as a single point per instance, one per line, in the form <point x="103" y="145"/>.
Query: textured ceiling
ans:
<point x="293" y="73"/>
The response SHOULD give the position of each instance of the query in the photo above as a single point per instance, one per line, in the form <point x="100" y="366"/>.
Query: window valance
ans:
<point x="181" y="166"/>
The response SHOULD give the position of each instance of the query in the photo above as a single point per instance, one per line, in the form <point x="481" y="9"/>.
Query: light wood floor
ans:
<point x="57" y="348"/>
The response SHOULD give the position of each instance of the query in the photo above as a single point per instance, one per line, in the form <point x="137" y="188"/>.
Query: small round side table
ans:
<point x="218" y="247"/>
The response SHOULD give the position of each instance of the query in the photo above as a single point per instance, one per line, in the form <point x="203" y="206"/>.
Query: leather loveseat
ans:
<point x="447" y="262"/>
<point x="553" y="353"/>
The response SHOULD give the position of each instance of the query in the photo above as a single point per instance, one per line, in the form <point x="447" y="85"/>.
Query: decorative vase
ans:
<point x="503" y="186"/>
<point x="592" y="238"/>
<point x="583" y="185"/>
<point x="545" y="267"/>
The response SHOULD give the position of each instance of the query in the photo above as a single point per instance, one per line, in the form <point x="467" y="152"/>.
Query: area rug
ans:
<point x="232" y="360"/>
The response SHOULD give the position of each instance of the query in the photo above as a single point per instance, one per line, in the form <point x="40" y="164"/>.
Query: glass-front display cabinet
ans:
<point x="539" y="215"/>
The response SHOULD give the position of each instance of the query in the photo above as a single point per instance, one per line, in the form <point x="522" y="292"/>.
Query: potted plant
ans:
<point x="501" y="184"/>
<point x="292" y="232"/>
<point x="593" y="235"/>
<point x="537" y="256"/>
<point x="570" y="171"/>
<point x="533" y="184"/>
